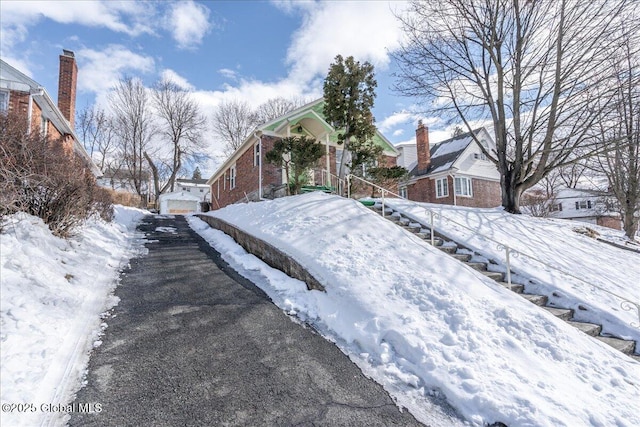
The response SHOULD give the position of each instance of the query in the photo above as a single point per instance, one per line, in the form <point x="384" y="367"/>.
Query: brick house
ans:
<point x="246" y="176"/>
<point x="25" y="99"/>
<point x="454" y="171"/>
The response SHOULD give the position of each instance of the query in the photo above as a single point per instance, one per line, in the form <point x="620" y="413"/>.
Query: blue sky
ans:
<point x="221" y="50"/>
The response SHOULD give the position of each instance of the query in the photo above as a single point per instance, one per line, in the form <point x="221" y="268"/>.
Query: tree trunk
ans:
<point x="154" y="172"/>
<point x="510" y="193"/>
<point x="629" y="221"/>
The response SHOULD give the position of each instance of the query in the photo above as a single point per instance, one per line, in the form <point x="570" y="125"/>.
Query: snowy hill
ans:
<point x="53" y="293"/>
<point x="423" y="325"/>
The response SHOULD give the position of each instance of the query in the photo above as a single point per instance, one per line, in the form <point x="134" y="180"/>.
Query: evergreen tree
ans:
<point x="297" y="155"/>
<point x="349" y="92"/>
<point x="197" y="174"/>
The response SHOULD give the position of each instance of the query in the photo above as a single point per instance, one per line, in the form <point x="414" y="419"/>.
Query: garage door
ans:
<point x="181" y="206"/>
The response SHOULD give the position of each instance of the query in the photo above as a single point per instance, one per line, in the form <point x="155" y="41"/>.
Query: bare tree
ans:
<point x="528" y="67"/>
<point x="232" y="122"/>
<point x="620" y="134"/>
<point x="133" y="125"/>
<point x="276" y="107"/>
<point x="182" y="125"/>
<point x="97" y="133"/>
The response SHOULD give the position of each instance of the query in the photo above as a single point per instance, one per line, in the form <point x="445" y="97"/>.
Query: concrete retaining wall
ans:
<point x="271" y="255"/>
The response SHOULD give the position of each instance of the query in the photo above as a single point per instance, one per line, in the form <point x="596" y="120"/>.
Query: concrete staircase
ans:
<point x="467" y="257"/>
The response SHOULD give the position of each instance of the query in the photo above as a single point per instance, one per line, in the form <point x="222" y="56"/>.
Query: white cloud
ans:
<point x="176" y="78"/>
<point x="189" y="23"/>
<point x="366" y="32"/>
<point x="394" y="120"/>
<point x="99" y="71"/>
<point x="228" y="73"/>
<point x="126" y="17"/>
<point x="398" y="132"/>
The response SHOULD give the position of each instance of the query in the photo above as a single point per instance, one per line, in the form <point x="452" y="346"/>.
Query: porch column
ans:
<point x="328" y="158"/>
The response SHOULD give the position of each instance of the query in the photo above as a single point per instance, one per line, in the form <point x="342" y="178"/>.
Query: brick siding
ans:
<point x="486" y="194"/>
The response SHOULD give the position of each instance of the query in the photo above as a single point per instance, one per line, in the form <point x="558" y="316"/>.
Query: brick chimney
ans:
<point x="67" y="85"/>
<point x="422" y="147"/>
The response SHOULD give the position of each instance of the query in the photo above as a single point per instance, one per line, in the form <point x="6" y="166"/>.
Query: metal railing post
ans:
<point x="432" y="233"/>
<point x="382" y="203"/>
<point x="506" y="249"/>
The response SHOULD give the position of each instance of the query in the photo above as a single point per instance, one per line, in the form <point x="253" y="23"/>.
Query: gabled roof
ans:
<point x="310" y="120"/>
<point x="191" y="181"/>
<point x="13" y="79"/>
<point x="445" y="153"/>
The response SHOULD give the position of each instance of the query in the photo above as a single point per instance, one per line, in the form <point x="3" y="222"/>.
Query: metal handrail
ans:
<point x="626" y="304"/>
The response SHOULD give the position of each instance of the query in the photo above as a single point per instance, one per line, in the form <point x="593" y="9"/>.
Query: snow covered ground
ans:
<point x="53" y="293"/>
<point x="424" y="325"/>
<point x="552" y="257"/>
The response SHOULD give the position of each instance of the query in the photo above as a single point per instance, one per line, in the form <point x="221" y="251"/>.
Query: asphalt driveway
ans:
<point x="193" y="344"/>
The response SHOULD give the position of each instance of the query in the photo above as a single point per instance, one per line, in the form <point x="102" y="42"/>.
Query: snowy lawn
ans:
<point x="571" y="259"/>
<point x="53" y="293"/>
<point x="424" y="325"/>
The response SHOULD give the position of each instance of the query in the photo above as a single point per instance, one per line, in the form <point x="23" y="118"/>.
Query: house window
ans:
<point x="583" y="204"/>
<point x="44" y="126"/>
<point x="442" y="187"/>
<point x="556" y="207"/>
<point x="403" y="192"/>
<point x="201" y="190"/>
<point x="256" y="155"/>
<point x="463" y="186"/>
<point x="232" y="177"/>
<point x="4" y="100"/>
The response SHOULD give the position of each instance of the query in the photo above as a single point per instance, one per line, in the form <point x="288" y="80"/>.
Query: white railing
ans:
<point x="332" y="181"/>
<point x="509" y="252"/>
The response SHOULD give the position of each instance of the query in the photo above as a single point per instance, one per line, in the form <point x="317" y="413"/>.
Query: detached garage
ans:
<point x="179" y="203"/>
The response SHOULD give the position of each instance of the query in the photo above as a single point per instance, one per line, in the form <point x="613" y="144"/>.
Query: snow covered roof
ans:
<point x="179" y="195"/>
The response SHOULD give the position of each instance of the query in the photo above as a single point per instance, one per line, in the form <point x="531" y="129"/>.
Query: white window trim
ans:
<point x="469" y="186"/>
<point x="4" y="105"/>
<point x="232" y="177"/>
<point x="444" y="186"/>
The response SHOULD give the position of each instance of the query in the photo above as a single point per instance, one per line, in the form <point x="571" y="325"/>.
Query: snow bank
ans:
<point x="53" y="292"/>
<point x="424" y="325"/>
<point x="573" y="261"/>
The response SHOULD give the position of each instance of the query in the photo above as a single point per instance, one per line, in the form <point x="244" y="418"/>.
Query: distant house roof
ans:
<point x="178" y="195"/>
<point x="444" y="154"/>
<point x="192" y="181"/>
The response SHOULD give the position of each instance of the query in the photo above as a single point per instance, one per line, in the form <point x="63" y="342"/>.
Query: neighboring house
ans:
<point x="454" y="171"/>
<point x="585" y="205"/>
<point x="246" y="176"/>
<point x="407" y="155"/>
<point x="196" y="187"/>
<point x="24" y="98"/>
<point x="178" y="202"/>
<point x="120" y="180"/>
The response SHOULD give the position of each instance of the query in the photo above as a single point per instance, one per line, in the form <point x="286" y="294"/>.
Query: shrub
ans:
<point x="42" y="178"/>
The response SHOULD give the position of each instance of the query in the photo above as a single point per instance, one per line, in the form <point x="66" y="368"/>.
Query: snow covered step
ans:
<point x="540" y="300"/>
<point x="514" y="287"/>
<point x="480" y="266"/>
<point x="588" y="328"/>
<point x="562" y="313"/>
<point x="462" y="257"/>
<point x="493" y="275"/>
<point x="625" y="346"/>
<point x="447" y="249"/>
